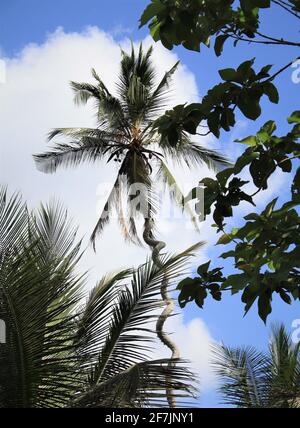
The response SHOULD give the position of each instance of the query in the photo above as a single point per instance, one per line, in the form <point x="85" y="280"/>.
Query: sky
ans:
<point x="46" y="44"/>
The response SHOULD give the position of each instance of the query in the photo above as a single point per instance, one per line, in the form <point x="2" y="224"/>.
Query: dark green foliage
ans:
<point x="266" y="250"/>
<point x="192" y="23"/>
<point x="60" y="352"/>
<point x="242" y="88"/>
<point x="197" y="288"/>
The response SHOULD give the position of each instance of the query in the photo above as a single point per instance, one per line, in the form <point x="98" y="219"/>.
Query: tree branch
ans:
<point x="269" y="41"/>
<point x="278" y="41"/>
<point x="286" y="8"/>
<point x="282" y="69"/>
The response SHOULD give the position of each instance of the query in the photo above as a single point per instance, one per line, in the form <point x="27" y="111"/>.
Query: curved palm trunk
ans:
<point x="157" y="246"/>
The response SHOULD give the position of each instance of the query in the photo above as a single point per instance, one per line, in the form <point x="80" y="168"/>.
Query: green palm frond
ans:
<point x="175" y="192"/>
<point x="13" y="221"/>
<point x="254" y="379"/>
<point x="193" y="154"/>
<point x="87" y="149"/>
<point x="55" y="233"/>
<point x="136" y="81"/>
<point x="85" y="91"/>
<point x="139" y="66"/>
<point x="60" y="353"/>
<point x="158" y="99"/>
<point x="242" y="371"/>
<point x="283" y="379"/>
<point x="77" y="133"/>
<point x="133" y="172"/>
<point x="109" y="108"/>
<point x="101" y="85"/>
<point x="141" y="385"/>
<point x="37" y="299"/>
<point x="131" y="318"/>
<point x="93" y="324"/>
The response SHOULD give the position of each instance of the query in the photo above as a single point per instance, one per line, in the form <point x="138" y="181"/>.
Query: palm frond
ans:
<point x="253" y="379"/>
<point x="87" y="149"/>
<point x="101" y="85"/>
<point x="175" y="192"/>
<point x="242" y="372"/>
<point x="141" y="385"/>
<point x="132" y="316"/>
<point x="139" y="66"/>
<point x="37" y="299"/>
<point x="283" y="380"/>
<point x="77" y="133"/>
<point x="136" y="82"/>
<point x="157" y="100"/>
<point x="93" y="322"/>
<point x="58" y="353"/>
<point x="133" y="177"/>
<point x="85" y="91"/>
<point x="109" y="109"/>
<point x="55" y="233"/>
<point x="193" y="154"/>
<point x="13" y="221"/>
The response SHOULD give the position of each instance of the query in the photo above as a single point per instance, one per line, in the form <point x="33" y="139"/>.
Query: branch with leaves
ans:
<point x="266" y="249"/>
<point x="192" y="24"/>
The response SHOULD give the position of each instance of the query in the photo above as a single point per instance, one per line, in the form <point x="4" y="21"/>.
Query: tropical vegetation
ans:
<point x="252" y="379"/>
<point x="125" y="134"/>
<point x="266" y="248"/>
<point x="64" y="349"/>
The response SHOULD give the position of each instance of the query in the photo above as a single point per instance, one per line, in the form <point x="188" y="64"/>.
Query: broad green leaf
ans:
<point x="271" y="91"/>
<point x="225" y="239"/>
<point x="249" y="106"/>
<point x="245" y="160"/>
<point x="219" y="44"/>
<point x="250" y="141"/>
<point x="295" y="117"/>
<point x="228" y="74"/>
<point x="151" y="10"/>
<point x="237" y="281"/>
<point x="203" y="269"/>
<point x="264" y="305"/>
<point x="269" y="127"/>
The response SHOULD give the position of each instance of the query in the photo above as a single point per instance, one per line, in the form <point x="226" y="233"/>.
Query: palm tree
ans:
<point x="253" y="379"/>
<point x="60" y="352"/>
<point x="125" y="134"/>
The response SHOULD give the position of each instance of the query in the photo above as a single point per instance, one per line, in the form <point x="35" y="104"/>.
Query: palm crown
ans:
<point x="125" y="133"/>
<point x="60" y="352"/>
<point x="250" y="378"/>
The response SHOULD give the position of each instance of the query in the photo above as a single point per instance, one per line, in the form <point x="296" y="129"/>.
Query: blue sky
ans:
<point x="24" y="22"/>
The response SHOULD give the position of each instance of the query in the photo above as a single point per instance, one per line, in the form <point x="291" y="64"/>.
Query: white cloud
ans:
<point x="195" y="342"/>
<point x="37" y="98"/>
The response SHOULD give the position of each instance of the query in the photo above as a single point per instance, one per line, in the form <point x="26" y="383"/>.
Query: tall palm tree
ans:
<point x="125" y="134"/>
<point x="255" y="379"/>
<point x="60" y="352"/>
